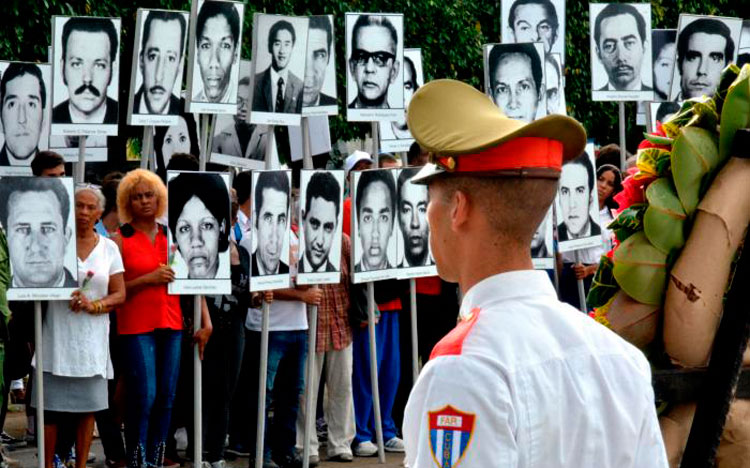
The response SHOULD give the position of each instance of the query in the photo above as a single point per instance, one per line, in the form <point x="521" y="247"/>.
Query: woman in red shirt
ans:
<point x="150" y="321"/>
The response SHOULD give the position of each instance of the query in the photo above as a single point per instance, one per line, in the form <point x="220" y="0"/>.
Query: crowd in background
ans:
<point x="119" y="352"/>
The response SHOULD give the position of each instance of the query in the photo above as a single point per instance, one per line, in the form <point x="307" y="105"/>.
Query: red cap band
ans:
<point x="516" y="154"/>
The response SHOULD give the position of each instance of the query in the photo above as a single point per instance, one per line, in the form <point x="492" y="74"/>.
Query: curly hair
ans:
<point x="128" y="184"/>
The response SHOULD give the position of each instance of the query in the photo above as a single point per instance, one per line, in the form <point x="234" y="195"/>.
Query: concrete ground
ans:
<point x="15" y="425"/>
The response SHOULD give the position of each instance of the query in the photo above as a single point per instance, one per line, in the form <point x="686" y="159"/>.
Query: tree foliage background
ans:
<point x="450" y="33"/>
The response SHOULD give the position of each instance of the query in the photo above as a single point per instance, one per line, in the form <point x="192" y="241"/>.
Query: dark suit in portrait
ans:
<point x="174" y="103"/>
<point x="61" y="112"/>
<point x="263" y="95"/>
<point x="228" y="142"/>
<point x="283" y="268"/>
<point x="303" y="268"/>
<point x="562" y="230"/>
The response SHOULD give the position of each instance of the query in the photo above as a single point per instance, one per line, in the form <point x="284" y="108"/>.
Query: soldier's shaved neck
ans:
<point x="498" y="218"/>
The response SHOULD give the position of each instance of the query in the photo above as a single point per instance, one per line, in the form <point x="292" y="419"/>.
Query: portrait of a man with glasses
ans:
<point x="374" y="62"/>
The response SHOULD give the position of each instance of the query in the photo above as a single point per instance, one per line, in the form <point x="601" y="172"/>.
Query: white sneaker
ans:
<point x="366" y="449"/>
<point x="395" y="445"/>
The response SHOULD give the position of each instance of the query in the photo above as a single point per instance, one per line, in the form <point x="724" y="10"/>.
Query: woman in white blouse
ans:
<point x="75" y="333"/>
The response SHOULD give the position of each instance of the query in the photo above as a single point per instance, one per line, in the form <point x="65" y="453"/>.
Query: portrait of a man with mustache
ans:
<point x="621" y="38"/>
<point x="160" y="62"/>
<point x="89" y="53"/>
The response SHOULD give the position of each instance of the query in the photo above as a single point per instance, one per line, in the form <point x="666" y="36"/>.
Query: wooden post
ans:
<point x="39" y="382"/>
<point x="263" y="365"/>
<point x="311" y="391"/>
<point x="80" y="169"/>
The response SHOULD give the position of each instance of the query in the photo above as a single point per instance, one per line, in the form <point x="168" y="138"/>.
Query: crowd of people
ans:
<point x="119" y="352"/>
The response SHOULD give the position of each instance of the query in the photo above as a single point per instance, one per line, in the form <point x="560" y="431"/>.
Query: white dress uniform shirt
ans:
<point x="527" y="381"/>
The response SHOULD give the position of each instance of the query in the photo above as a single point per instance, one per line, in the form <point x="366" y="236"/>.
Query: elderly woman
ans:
<point x="76" y="333"/>
<point x="150" y="321"/>
<point x="199" y="221"/>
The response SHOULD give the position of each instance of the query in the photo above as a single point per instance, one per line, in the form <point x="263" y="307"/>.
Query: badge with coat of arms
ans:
<point x="450" y="435"/>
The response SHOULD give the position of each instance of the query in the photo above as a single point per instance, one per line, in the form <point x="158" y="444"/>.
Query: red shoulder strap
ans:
<point x="453" y="342"/>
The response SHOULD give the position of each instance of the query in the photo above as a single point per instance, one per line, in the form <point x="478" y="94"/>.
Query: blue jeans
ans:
<point x="151" y="364"/>
<point x="389" y="371"/>
<point x="285" y="384"/>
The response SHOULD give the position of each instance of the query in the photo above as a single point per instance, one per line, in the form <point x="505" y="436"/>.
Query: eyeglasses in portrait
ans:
<point x="374" y="65"/>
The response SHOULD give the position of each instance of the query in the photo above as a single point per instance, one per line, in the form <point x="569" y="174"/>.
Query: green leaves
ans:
<point x="664" y="220"/>
<point x="628" y="222"/>
<point x="695" y="154"/>
<point x="736" y="112"/>
<point x="641" y="269"/>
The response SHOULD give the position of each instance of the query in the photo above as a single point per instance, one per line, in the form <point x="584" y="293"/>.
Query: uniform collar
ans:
<point x="503" y="286"/>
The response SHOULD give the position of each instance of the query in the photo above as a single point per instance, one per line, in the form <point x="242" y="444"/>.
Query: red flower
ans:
<point x="633" y="190"/>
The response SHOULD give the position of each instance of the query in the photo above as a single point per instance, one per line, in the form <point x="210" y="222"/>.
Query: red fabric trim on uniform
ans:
<point x="519" y="153"/>
<point x="452" y="344"/>
<point x="429" y="285"/>
<point x="390" y="305"/>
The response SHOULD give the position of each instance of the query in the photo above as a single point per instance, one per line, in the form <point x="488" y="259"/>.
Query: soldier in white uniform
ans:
<point x="524" y="380"/>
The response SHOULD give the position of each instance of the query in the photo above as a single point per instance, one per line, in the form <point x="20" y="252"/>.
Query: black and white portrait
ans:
<point x="374" y="65"/>
<point x="705" y="46"/>
<point x="514" y="79"/>
<point x="320" y="218"/>
<point x="68" y="147"/>
<point x="535" y="21"/>
<point x="279" y="55"/>
<point x="214" y="56"/>
<point x="85" y="72"/>
<point x="542" y="254"/>
<point x="554" y="85"/>
<point x="37" y="215"/>
<point x="578" y="204"/>
<point x="271" y="195"/>
<point x="743" y="55"/>
<point x="199" y="223"/>
<point x="179" y="138"/>
<point x="664" y="51"/>
<point x="25" y="115"/>
<point x="237" y="142"/>
<point x="661" y="112"/>
<point x="374" y="239"/>
<point x="621" y="51"/>
<point x="395" y="136"/>
<point x="415" y="258"/>
<point x="158" y="59"/>
<point x="319" y="84"/>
